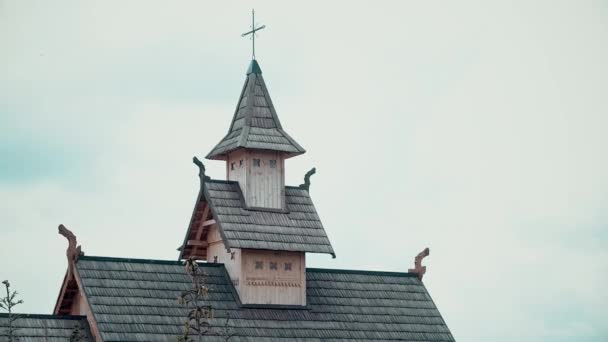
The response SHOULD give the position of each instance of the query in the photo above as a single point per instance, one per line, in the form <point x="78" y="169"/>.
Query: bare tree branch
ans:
<point x="7" y="303"/>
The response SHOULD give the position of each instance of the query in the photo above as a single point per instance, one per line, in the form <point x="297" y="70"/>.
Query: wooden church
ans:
<point x="250" y="234"/>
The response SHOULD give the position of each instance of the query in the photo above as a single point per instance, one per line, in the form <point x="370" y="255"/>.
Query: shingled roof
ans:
<point x="45" y="328"/>
<point x="255" y="124"/>
<point x="298" y="228"/>
<point x="135" y="300"/>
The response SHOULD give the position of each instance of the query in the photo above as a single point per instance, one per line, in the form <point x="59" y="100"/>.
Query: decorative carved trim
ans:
<point x="418" y="268"/>
<point x="273" y="283"/>
<point x="73" y="251"/>
<point x="306" y="185"/>
<point x="201" y="170"/>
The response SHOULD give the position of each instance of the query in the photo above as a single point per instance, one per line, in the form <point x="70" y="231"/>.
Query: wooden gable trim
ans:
<point x="72" y="289"/>
<point x="200" y="201"/>
<point x="87" y="308"/>
<point x="199" y="233"/>
<point x="195" y="243"/>
<point x="69" y="288"/>
<point x="69" y="291"/>
<point x="218" y="223"/>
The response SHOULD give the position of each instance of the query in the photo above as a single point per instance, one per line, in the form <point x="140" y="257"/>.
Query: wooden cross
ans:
<point x="253" y="31"/>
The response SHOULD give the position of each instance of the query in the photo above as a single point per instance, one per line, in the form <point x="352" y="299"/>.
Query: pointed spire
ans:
<point x="254" y="68"/>
<point x="255" y="124"/>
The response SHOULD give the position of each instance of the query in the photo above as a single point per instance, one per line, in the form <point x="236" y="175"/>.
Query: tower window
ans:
<point x="241" y="163"/>
<point x="256" y="162"/>
<point x="273" y="163"/>
<point x="287" y="266"/>
<point x="232" y="166"/>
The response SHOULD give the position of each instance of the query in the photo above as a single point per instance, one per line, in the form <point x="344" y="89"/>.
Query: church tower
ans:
<point x="256" y="146"/>
<point x="254" y="224"/>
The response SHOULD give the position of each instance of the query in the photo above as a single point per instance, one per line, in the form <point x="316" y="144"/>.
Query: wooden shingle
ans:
<point x="255" y="124"/>
<point x="298" y="228"/>
<point x="135" y="300"/>
<point x="44" y="328"/>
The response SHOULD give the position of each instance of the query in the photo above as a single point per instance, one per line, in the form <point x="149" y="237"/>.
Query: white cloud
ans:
<point x="474" y="129"/>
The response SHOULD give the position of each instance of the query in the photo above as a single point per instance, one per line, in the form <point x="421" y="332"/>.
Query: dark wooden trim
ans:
<point x="378" y="273"/>
<point x="47" y="316"/>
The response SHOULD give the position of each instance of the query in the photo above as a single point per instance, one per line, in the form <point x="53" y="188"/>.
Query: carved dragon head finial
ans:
<point x="418" y="268"/>
<point x="73" y="251"/>
<point x="307" y="176"/>
<point x="201" y="170"/>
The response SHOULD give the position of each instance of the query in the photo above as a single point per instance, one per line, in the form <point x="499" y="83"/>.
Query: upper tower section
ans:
<point x="256" y="226"/>
<point x="256" y="146"/>
<point x="255" y="125"/>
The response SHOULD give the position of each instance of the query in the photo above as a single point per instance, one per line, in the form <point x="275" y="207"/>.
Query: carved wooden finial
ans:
<point x="307" y="176"/>
<point x="201" y="170"/>
<point x="73" y="251"/>
<point x="418" y="268"/>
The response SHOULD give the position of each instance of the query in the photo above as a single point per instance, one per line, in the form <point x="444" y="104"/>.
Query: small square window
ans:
<point x="273" y="265"/>
<point x="273" y="163"/>
<point x="256" y="162"/>
<point x="259" y="265"/>
<point x="287" y="266"/>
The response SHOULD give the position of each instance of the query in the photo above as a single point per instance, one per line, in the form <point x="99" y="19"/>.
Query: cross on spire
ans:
<point x="252" y="32"/>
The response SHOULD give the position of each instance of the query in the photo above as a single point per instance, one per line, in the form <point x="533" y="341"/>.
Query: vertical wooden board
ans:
<point x="281" y="163"/>
<point x="265" y="184"/>
<point x="303" y="271"/>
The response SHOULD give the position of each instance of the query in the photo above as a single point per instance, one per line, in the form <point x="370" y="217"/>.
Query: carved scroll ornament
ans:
<point x="201" y="169"/>
<point x="418" y="268"/>
<point x="73" y="251"/>
<point x="307" y="176"/>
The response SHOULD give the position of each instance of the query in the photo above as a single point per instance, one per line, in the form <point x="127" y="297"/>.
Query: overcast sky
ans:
<point x="476" y="129"/>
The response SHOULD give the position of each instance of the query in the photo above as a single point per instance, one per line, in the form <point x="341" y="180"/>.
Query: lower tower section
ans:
<point x="262" y="276"/>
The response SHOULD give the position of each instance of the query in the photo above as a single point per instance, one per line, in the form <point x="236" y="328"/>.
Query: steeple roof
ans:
<point x="255" y="124"/>
<point x="297" y="229"/>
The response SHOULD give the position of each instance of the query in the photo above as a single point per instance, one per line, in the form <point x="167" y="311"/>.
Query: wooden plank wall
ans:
<point x="263" y="186"/>
<point x="266" y="185"/>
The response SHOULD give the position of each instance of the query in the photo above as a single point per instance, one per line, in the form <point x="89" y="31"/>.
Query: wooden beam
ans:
<point x="199" y="232"/>
<point x="208" y="223"/>
<point x="197" y="243"/>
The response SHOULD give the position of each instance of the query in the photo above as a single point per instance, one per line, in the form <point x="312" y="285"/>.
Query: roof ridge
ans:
<point x="238" y="106"/>
<point x="207" y="264"/>
<point x="270" y="104"/>
<point x="249" y="89"/>
<point x="364" y="272"/>
<point x="143" y="261"/>
<point x="28" y="315"/>
<point x="226" y="181"/>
